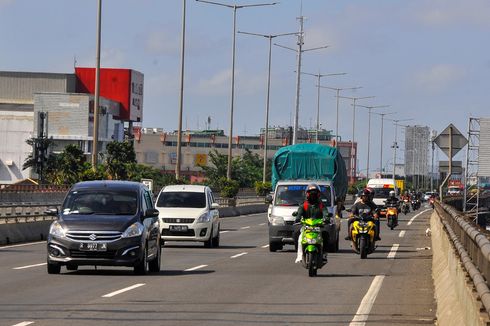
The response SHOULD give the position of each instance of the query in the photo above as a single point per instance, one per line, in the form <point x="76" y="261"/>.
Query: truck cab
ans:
<point x="286" y="199"/>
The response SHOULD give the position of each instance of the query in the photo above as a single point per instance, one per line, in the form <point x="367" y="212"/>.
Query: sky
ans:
<point x="427" y="59"/>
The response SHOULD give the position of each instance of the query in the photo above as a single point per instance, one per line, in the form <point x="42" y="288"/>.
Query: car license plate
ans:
<point x="93" y="246"/>
<point x="178" y="228"/>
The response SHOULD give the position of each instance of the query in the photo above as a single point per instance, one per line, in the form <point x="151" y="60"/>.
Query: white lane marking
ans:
<point x="402" y="234"/>
<point x="367" y="302"/>
<point x="393" y="250"/>
<point x="238" y="255"/>
<point x="262" y="224"/>
<point x="23" y="245"/>
<point x="224" y="231"/>
<point x="413" y="218"/>
<point x="266" y="246"/>
<point x="24" y="323"/>
<point x="129" y="288"/>
<point x="29" y="266"/>
<point x="245" y="227"/>
<point x="194" y="268"/>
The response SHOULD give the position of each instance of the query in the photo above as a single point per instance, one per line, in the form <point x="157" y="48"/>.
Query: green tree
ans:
<point x="67" y="167"/>
<point x="119" y="157"/>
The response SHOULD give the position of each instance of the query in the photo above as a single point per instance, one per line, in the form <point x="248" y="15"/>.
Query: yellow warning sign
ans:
<point x="201" y="160"/>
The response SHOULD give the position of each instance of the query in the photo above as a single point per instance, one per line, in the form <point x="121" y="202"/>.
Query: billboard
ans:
<point x="484" y="148"/>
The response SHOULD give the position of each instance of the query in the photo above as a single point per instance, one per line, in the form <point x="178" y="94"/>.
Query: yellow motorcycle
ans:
<point x="363" y="232"/>
<point x="392" y="216"/>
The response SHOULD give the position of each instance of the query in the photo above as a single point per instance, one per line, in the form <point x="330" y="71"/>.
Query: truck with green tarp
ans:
<point x="293" y="168"/>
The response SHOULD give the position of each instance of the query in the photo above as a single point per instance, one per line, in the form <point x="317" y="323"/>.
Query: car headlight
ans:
<point x="277" y="220"/>
<point x="57" y="230"/>
<point x="134" y="230"/>
<point x="204" y="218"/>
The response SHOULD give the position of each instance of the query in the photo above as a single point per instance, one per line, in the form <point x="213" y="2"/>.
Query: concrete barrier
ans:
<point x="457" y="300"/>
<point x="24" y="232"/>
<point x="242" y="210"/>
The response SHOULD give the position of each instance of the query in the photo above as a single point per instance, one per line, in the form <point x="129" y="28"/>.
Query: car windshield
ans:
<point x="183" y="199"/>
<point x="101" y="202"/>
<point x="294" y="195"/>
<point x="382" y="192"/>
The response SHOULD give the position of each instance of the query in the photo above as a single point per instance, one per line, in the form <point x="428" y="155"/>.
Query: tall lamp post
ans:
<point x="369" y="132"/>
<point x="266" y="131"/>
<point x="353" y="156"/>
<point x="232" y="97"/>
<point x="97" y="89"/>
<point x="381" y="151"/>
<point x="395" y="145"/>
<point x="337" y="118"/>
<point x="319" y="76"/>
<point x="181" y="97"/>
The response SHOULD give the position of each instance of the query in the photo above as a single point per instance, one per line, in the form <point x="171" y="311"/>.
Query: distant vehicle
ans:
<point x="382" y="188"/>
<point x="189" y="213"/>
<point x="428" y="194"/>
<point x="454" y="191"/>
<point x="105" y="223"/>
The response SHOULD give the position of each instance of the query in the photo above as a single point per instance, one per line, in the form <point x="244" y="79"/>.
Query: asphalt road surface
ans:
<point x="240" y="283"/>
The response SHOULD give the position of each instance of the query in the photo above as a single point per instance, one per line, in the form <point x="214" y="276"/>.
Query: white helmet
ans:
<point x="392" y="193"/>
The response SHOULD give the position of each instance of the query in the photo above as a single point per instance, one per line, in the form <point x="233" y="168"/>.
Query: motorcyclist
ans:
<point x="392" y="200"/>
<point x="364" y="206"/>
<point x="312" y="207"/>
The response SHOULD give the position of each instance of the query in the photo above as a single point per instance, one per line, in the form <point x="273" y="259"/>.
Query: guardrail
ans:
<point x="25" y="212"/>
<point x="240" y="201"/>
<point x="472" y="246"/>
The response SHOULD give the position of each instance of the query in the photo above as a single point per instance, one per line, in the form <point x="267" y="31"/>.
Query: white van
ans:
<point x="382" y="188"/>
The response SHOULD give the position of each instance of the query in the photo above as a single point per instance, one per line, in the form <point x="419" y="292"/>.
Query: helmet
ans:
<point x="312" y="193"/>
<point x="392" y="193"/>
<point x="366" y="192"/>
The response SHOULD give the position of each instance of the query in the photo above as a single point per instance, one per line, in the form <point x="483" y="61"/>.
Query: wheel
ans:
<point x="141" y="268"/>
<point x="216" y="239"/>
<point x="363" y="247"/>
<point x="209" y="243"/>
<point x="54" y="268"/>
<point x="155" y="265"/>
<point x="311" y="260"/>
<point x="72" y="267"/>
<point x="275" y="246"/>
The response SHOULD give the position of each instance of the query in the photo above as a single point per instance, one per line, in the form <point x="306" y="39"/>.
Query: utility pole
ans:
<point x="181" y="98"/>
<point x="381" y="151"/>
<point x="97" y="89"/>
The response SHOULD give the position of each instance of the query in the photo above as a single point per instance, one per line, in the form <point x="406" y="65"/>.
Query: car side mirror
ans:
<point x="51" y="212"/>
<point x="214" y="206"/>
<point x="152" y="212"/>
<point x="268" y="199"/>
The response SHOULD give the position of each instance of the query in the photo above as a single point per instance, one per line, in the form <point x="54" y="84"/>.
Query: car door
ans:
<point x="213" y="212"/>
<point x="151" y="223"/>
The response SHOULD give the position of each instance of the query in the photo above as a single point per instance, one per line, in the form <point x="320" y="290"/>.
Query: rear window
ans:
<point x="382" y="192"/>
<point x="182" y="199"/>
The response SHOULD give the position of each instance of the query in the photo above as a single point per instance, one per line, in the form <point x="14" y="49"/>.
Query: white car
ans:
<point x="189" y="213"/>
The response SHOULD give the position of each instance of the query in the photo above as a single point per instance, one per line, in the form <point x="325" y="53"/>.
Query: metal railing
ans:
<point x="25" y="212"/>
<point x="472" y="246"/>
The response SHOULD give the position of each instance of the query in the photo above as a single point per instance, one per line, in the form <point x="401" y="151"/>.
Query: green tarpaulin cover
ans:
<point x="310" y="162"/>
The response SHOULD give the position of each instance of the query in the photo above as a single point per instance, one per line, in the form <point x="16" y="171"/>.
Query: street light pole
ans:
<point x="395" y="146"/>
<point x="369" y="132"/>
<point x="181" y="98"/>
<point x="266" y="131"/>
<point x="381" y="151"/>
<point x="337" y="115"/>
<point x="319" y="76"/>
<point x="97" y="89"/>
<point x="232" y="97"/>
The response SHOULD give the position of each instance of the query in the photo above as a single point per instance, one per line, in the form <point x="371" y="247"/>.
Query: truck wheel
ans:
<point x="275" y="246"/>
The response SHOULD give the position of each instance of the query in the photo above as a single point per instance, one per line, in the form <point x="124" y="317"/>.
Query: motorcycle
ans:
<point x="431" y="202"/>
<point x="312" y="243"/>
<point x="392" y="216"/>
<point x="414" y="205"/>
<point x="363" y="231"/>
<point x="405" y="207"/>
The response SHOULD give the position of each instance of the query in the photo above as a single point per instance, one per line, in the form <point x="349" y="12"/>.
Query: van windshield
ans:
<point x="382" y="192"/>
<point x="294" y="195"/>
<point x="184" y="199"/>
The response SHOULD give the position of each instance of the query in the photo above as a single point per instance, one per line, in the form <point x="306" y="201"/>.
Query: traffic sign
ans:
<point x="456" y="168"/>
<point x="458" y="141"/>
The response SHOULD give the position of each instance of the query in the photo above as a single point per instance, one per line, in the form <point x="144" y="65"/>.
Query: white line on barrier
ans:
<point x="29" y="266"/>
<point x="24" y="323"/>
<point x="23" y="245"/>
<point x="224" y="231"/>
<point x="245" y="227"/>
<point x="367" y="302"/>
<point x="393" y="250"/>
<point x="129" y="288"/>
<point x="238" y="255"/>
<point x="402" y="234"/>
<point x="266" y="246"/>
<point x="194" y="268"/>
<point x="413" y="218"/>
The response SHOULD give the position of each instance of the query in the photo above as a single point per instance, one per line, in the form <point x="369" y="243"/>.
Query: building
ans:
<point x="67" y="101"/>
<point x="417" y="141"/>
<point x="157" y="148"/>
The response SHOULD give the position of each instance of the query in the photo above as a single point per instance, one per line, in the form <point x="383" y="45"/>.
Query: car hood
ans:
<point x="80" y="222"/>
<point x="181" y="212"/>
<point x="285" y="212"/>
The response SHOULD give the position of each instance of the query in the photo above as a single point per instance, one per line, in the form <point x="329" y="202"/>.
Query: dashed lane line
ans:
<point x="239" y="255"/>
<point x="224" y="231"/>
<point x="29" y="266"/>
<point x="265" y="246"/>
<point x="413" y="218"/>
<point x="367" y="302"/>
<point x="195" y="268"/>
<point x="129" y="288"/>
<point x="24" y="323"/>
<point x="245" y="227"/>
<point x="392" y="253"/>
<point x="402" y="234"/>
<point x="262" y="224"/>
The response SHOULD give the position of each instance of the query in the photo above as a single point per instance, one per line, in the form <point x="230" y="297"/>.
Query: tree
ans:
<point x="68" y="166"/>
<point x="38" y="158"/>
<point x="119" y="157"/>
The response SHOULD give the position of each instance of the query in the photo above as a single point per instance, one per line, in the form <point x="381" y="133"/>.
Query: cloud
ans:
<point x="218" y="84"/>
<point x="439" y="77"/>
<point x="160" y="42"/>
<point x="450" y="12"/>
<point x="246" y="83"/>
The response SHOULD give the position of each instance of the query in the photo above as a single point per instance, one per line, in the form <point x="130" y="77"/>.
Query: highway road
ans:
<point x="240" y="283"/>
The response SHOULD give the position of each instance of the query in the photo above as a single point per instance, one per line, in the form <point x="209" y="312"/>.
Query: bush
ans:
<point x="228" y="188"/>
<point x="262" y="188"/>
